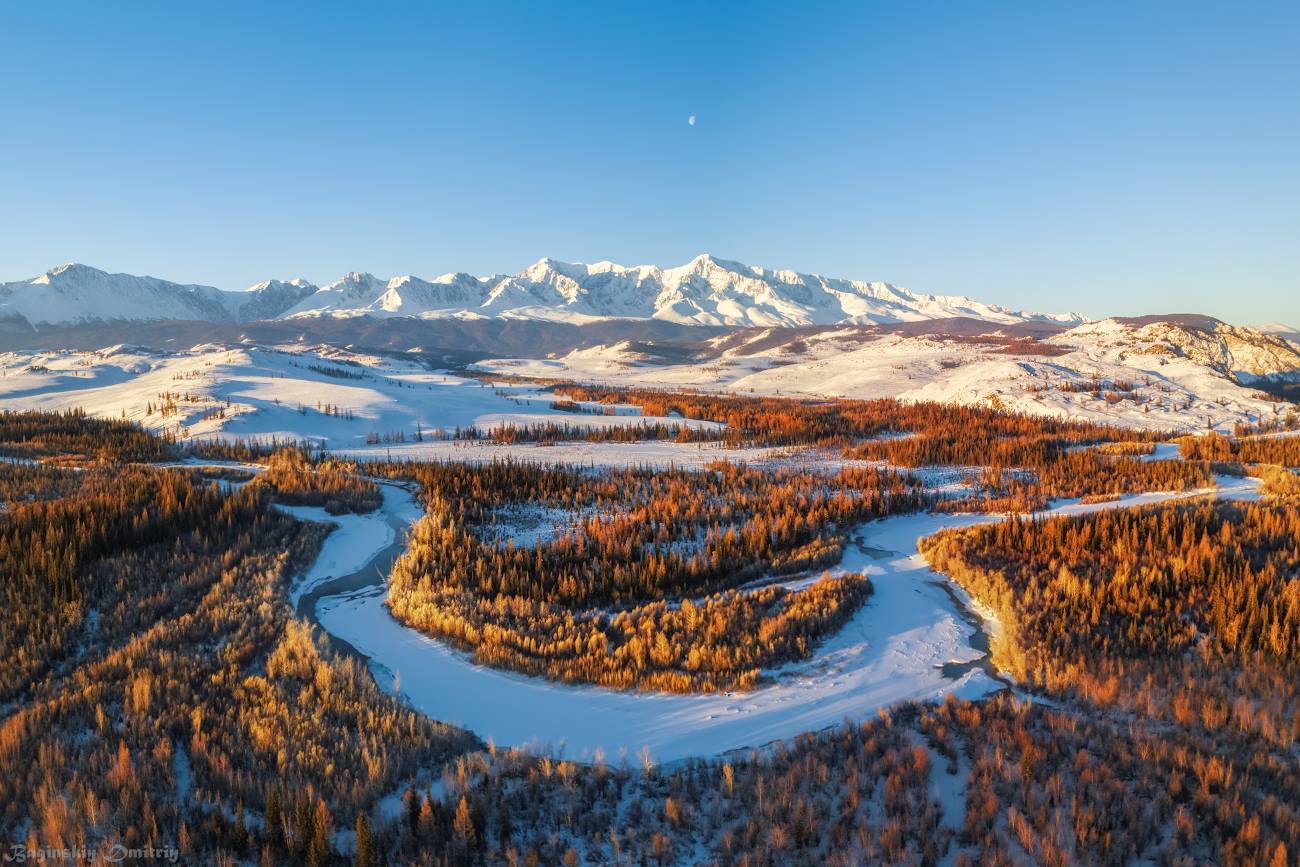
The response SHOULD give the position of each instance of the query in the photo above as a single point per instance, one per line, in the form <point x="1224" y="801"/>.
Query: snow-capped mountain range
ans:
<point x="785" y="334"/>
<point x="73" y="294"/>
<point x="705" y="291"/>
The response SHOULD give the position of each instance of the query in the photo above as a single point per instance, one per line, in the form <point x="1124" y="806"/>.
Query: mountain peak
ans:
<point x="71" y="270"/>
<point x="543" y="267"/>
<point x="296" y="282"/>
<point x="708" y="290"/>
<point x="708" y="260"/>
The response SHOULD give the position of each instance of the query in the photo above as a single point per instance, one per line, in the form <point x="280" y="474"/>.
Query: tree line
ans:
<point x="642" y="586"/>
<point x="1280" y="450"/>
<point x="1214" y="578"/>
<point x="939" y="433"/>
<point x="73" y="435"/>
<point x="337" y="486"/>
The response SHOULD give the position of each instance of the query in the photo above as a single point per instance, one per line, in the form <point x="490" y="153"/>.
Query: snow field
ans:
<point x="247" y="392"/>
<point x="1176" y="393"/>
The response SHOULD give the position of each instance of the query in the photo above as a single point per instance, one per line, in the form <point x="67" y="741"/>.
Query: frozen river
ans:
<point x="911" y="640"/>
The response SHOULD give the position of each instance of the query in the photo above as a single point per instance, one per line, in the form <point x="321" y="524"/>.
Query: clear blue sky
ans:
<point x="1110" y="158"/>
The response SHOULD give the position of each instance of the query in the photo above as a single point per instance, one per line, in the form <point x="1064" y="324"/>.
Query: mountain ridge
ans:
<point x="705" y="291"/>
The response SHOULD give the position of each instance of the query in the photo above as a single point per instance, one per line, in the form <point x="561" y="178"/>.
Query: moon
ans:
<point x="691" y="120"/>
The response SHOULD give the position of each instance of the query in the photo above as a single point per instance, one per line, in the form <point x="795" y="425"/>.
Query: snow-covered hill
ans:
<point x="705" y="291"/>
<point x="337" y="398"/>
<point x="1245" y="354"/>
<point x="1182" y="373"/>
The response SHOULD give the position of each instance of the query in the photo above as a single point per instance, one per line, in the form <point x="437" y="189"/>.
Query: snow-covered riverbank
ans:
<point x="356" y="539"/>
<point x="893" y="650"/>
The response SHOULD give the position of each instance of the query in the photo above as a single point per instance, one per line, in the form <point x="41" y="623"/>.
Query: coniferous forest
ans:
<point x="159" y="692"/>
<point x="640" y="590"/>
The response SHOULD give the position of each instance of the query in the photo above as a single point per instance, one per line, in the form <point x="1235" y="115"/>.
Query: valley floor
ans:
<point x="895" y="649"/>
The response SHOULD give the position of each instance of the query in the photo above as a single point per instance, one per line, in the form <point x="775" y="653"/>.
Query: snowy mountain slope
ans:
<point x="709" y="291"/>
<point x="352" y="291"/>
<point x="72" y="294"/>
<point x="705" y="291"/>
<point x="366" y="295"/>
<point x="716" y="292"/>
<point x="267" y="299"/>
<point x="1245" y="354"/>
<point x="1159" y="375"/>
<point x="78" y="293"/>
